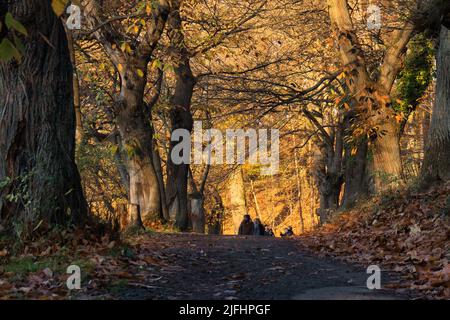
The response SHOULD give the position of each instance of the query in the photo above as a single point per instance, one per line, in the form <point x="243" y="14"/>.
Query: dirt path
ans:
<point x="213" y="267"/>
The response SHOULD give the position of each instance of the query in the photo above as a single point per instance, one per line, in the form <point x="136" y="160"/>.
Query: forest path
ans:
<point x="225" y="267"/>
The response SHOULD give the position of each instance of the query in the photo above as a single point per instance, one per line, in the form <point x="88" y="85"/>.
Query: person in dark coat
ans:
<point x="288" y="232"/>
<point x="259" y="229"/>
<point x="269" y="233"/>
<point x="246" y="228"/>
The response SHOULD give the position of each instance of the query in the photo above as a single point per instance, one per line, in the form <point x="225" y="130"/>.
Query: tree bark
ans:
<point x="436" y="167"/>
<point x="37" y="124"/>
<point x="299" y="192"/>
<point x="216" y="215"/>
<point x="165" y="216"/>
<point x="79" y="132"/>
<point x="197" y="213"/>
<point x="131" y="113"/>
<point x="137" y="138"/>
<point x="328" y="167"/>
<point x="355" y="174"/>
<point x="371" y="97"/>
<point x="328" y="175"/>
<point x="386" y="152"/>
<point x="181" y="118"/>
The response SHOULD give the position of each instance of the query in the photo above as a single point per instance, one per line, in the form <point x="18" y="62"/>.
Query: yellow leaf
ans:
<point x="125" y="47"/>
<point x="120" y="67"/>
<point x="59" y="6"/>
<point x="140" y="73"/>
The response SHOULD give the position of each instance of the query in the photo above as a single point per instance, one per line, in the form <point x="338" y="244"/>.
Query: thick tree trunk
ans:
<point x="37" y="124"/>
<point x="329" y="182"/>
<point x="436" y="165"/>
<point x="355" y="173"/>
<point x="386" y="152"/>
<point x="328" y="172"/>
<point x="132" y="116"/>
<point x="371" y="97"/>
<point x="177" y="175"/>
<point x="181" y="118"/>
<point x="137" y="139"/>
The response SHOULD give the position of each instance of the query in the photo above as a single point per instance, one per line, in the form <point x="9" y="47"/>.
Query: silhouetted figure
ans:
<point x="269" y="233"/>
<point x="258" y="228"/>
<point x="288" y="232"/>
<point x="246" y="228"/>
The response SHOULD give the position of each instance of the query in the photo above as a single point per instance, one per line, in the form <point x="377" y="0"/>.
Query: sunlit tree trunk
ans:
<point x="197" y="213"/>
<point x="132" y="114"/>
<point x="371" y="97"/>
<point x="385" y="147"/>
<point x="137" y="138"/>
<point x="238" y="203"/>
<point x="436" y="165"/>
<point x="37" y="124"/>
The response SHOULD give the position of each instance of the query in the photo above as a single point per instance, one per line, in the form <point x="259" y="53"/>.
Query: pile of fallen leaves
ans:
<point x="407" y="233"/>
<point x="39" y="269"/>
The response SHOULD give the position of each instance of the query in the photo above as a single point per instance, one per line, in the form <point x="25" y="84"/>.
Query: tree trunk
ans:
<point x="159" y="175"/>
<point x="137" y="139"/>
<point x="356" y="177"/>
<point x="37" y="124"/>
<point x="216" y="215"/>
<point x="197" y="213"/>
<point x="371" y="97"/>
<point x="299" y="191"/>
<point x="120" y="164"/>
<point x="436" y="165"/>
<point x="328" y="173"/>
<point x="329" y="191"/>
<point x="181" y="118"/>
<point x="238" y="203"/>
<point x="79" y="132"/>
<point x="386" y="152"/>
<point x="132" y="115"/>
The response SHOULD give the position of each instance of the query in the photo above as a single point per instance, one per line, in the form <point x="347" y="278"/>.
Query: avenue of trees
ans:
<point x="86" y="115"/>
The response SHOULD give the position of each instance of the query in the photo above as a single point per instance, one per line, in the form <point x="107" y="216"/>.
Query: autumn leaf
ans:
<point x="12" y="23"/>
<point x="3" y="253"/>
<point x="140" y="73"/>
<point x="59" y="6"/>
